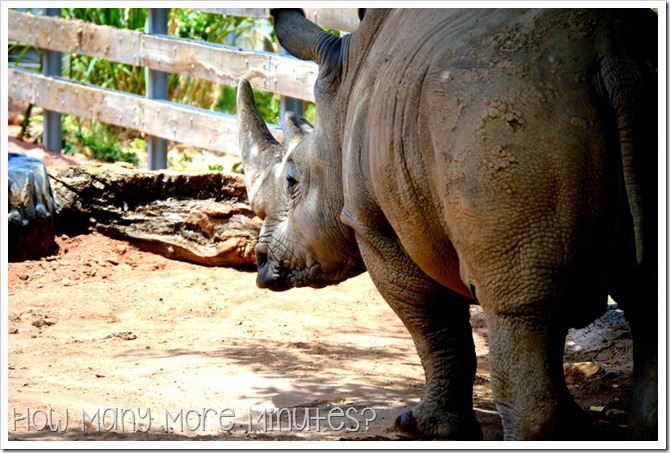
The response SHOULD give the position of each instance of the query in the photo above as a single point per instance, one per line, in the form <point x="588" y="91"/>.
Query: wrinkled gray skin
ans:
<point x="501" y="157"/>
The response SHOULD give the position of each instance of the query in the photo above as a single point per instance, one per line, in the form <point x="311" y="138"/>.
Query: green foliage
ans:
<point x="220" y="29"/>
<point x="269" y="106"/>
<point x="215" y="167"/>
<point x="310" y="112"/>
<point x="99" y="140"/>
<point x="237" y="168"/>
<point x="20" y="55"/>
<point x="101" y="72"/>
<point x="95" y="139"/>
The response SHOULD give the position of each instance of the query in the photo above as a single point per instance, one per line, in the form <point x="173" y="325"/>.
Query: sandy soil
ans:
<point x="128" y="345"/>
<point x="103" y="328"/>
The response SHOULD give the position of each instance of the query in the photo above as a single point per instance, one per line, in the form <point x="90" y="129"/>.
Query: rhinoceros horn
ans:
<point x="304" y="39"/>
<point x="258" y="147"/>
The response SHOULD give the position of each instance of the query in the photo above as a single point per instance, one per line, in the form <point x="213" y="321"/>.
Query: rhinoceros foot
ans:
<point x="419" y="424"/>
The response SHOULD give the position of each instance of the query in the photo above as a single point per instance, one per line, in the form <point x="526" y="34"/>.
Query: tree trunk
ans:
<point x="199" y="217"/>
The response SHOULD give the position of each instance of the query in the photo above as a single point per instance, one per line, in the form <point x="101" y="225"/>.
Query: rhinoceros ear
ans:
<point x="304" y="39"/>
<point x="258" y="147"/>
<point x="295" y="129"/>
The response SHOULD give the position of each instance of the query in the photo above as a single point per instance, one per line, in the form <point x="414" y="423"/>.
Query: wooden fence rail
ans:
<point x="215" y="131"/>
<point x="199" y="127"/>
<point x="287" y="76"/>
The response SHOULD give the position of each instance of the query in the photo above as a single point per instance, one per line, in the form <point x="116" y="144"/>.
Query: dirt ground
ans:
<point x="106" y="342"/>
<point x="102" y="326"/>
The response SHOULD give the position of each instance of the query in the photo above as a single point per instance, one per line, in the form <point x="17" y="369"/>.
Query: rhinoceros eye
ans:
<point x="291" y="178"/>
<point x="292" y="182"/>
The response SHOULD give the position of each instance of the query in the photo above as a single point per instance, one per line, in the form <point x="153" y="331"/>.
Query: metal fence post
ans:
<point x="157" y="88"/>
<point x="52" y="65"/>
<point x="291" y="104"/>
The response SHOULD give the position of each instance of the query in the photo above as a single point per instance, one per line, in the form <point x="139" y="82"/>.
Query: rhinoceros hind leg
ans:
<point x="527" y="380"/>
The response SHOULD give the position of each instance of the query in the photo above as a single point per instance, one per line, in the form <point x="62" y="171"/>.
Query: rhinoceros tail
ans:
<point x="629" y="80"/>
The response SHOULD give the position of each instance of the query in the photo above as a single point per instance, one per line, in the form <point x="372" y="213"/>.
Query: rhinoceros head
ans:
<point x="296" y="189"/>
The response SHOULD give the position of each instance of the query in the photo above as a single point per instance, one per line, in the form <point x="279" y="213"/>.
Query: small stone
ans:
<point x="13" y="329"/>
<point x="120" y="335"/>
<point x="493" y="112"/>
<point x="581" y="369"/>
<point x="42" y="322"/>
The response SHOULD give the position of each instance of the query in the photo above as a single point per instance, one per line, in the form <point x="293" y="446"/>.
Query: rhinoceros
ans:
<point x="499" y="157"/>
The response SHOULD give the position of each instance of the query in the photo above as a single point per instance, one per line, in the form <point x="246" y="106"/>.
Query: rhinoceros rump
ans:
<point x="505" y="157"/>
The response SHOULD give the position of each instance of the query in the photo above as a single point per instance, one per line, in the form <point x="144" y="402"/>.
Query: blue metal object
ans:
<point x="52" y="65"/>
<point x="157" y="88"/>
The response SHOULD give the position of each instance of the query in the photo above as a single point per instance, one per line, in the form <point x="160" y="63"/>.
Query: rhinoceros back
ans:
<point x="489" y="121"/>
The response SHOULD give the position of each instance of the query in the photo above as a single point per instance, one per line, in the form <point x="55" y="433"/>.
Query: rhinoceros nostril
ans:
<point x="261" y="257"/>
<point x="261" y="260"/>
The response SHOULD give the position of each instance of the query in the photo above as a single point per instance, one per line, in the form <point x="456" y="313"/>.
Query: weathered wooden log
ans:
<point x="199" y="217"/>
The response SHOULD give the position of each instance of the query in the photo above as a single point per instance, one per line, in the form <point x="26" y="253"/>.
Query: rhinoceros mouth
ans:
<point x="269" y="276"/>
<point x="267" y="279"/>
<point x="275" y="276"/>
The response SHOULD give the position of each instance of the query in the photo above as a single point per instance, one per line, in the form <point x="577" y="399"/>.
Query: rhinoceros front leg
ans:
<point x="438" y="320"/>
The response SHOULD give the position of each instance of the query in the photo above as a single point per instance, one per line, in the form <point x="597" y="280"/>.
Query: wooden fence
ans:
<point x="203" y="128"/>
